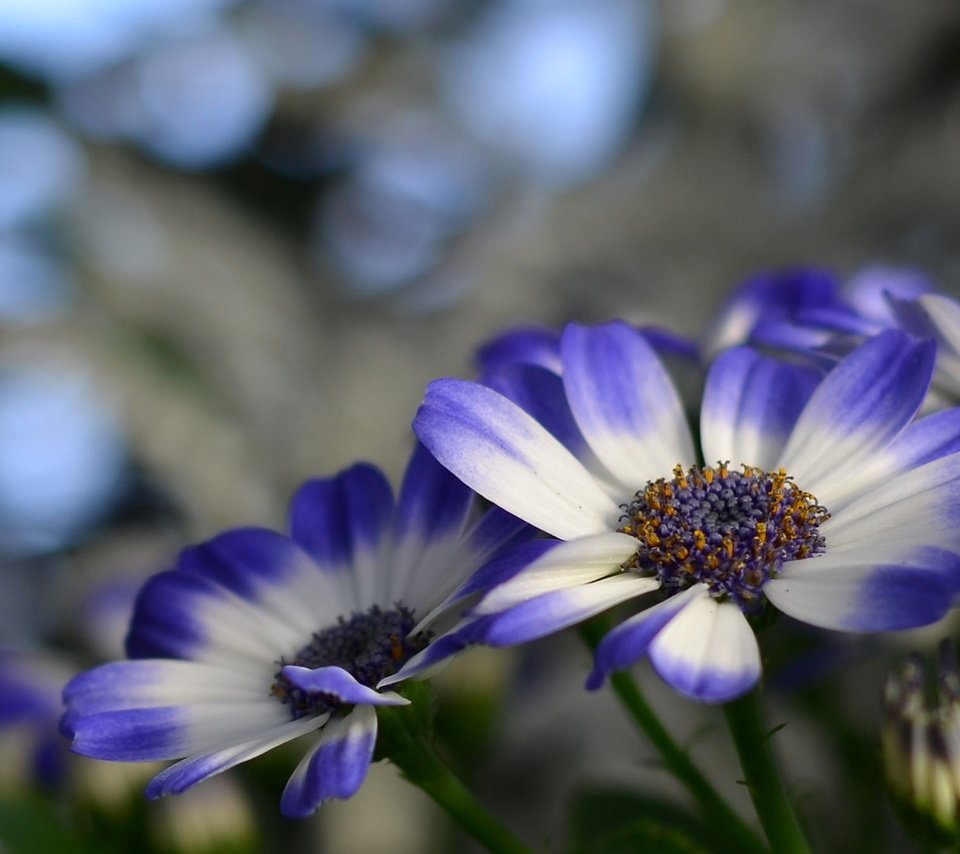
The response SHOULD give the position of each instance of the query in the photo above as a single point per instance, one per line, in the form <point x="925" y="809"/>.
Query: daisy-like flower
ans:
<point x="921" y="744"/>
<point x="256" y="637"/>
<point x="807" y="308"/>
<point x="824" y="498"/>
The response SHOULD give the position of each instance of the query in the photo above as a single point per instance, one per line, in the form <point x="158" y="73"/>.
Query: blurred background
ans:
<point x="238" y="237"/>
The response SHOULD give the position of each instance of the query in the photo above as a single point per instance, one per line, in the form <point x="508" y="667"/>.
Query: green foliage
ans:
<point x="607" y="820"/>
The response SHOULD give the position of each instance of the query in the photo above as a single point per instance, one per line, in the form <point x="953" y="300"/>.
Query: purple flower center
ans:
<point x="370" y="646"/>
<point x="731" y="530"/>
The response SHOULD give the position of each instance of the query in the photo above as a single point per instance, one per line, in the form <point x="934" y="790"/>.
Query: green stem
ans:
<point x="734" y="832"/>
<point x="745" y="719"/>
<point x="421" y="765"/>
<point x="405" y="738"/>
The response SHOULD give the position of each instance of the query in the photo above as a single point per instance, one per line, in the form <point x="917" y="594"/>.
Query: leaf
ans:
<point x="617" y="821"/>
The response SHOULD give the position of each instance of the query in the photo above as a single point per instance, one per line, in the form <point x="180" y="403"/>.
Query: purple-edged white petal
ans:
<point x="340" y="684"/>
<point x="527" y="345"/>
<point x="342" y="522"/>
<point x="244" y="561"/>
<point x="858" y="409"/>
<point x="750" y="405"/>
<point x="432" y="511"/>
<point x="918" y="507"/>
<point x="495" y="571"/>
<point x="943" y="314"/>
<point x="570" y="564"/>
<point x="264" y="578"/>
<point x="160" y="682"/>
<point x="187" y="615"/>
<point x="439" y="651"/>
<point x="184" y="615"/>
<point x="625" y="402"/>
<point x="847" y="593"/>
<point x="504" y="454"/>
<point x="769" y="298"/>
<point x="874" y="290"/>
<point x="540" y="393"/>
<point x="169" y="732"/>
<point x="336" y="767"/>
<point x="433" y="503"/>
<point x="551" y="612"/>
<point x="628" y="642"/>
<point x="195" y="769"/>
<point x="707" y="652"/>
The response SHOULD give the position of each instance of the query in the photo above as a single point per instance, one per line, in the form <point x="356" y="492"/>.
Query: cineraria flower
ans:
<point x="824" y="498"/>
<point x="30" y="686"/>
<point x="808" y="310"/>
<point x="921" y="744"/>
<point x="256" y="638"/>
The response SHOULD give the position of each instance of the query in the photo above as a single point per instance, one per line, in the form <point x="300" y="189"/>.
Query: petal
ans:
<point x="504" y="454"/>
<point x="943" y="314"/>
<point x="750" y="405"/>
<point x="530" y="345"/>
<point x="551" y="612"/>
<point x="159" y="682"/>
<point x="170" y="732"/>
<point x="540" y="393"/>
<point x="624" y="402"/>
<point x="244" y="560"/>
<point x="433" y="510"/>
<point x="268" y="576"/>
<point x="628" y="643"/>
<point x="342" y="522"/>
<point x="570" y="564"/>
<point x="707" y="652"/>
<point x="433" y="502"/>
<point x="339" y="683"/>
<point x="183" y="615"/>
<point x="770" y="297"/>
<point x="858" y="409"/>
<point x="919" y="507"/>
<point x="334" y="768"/>
<point x="188" y="772"/>
<point x="495" y="571"/>
<point x="852" y="593"/>
<point x="465" y="634"/>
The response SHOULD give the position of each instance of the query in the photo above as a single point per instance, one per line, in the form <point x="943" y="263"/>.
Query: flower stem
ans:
<point x="405" y="738"/>
<point x="745" y="719"/>
<point x="422" y="766"/>
<point x="735" y="833"/>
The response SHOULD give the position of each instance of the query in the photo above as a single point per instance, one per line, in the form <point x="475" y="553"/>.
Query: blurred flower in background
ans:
<point x="921" y="745"/>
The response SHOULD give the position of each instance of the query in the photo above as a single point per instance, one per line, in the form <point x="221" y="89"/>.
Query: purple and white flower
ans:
<point x="824" y="498"/>
<point x="257" y="637"/>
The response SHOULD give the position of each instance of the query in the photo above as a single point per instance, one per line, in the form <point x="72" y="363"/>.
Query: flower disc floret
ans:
<point x="731" y="530"/>
<point x="370" y="646"/>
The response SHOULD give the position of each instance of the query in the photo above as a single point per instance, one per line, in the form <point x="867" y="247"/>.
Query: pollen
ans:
<point x="732" y="530"/>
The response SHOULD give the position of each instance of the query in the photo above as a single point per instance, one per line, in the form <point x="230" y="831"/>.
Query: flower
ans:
<point x="807" y="309"/>
<point x="256" y="637"/>
<point x="921" y="745"/>
<point x="828" y="500"/>
<point x="30" y="685"/>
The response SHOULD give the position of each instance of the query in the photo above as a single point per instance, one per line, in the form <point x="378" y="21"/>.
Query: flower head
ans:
<point x="921" y="745"/>
<point x="256" y="637"/>
<point x="823" y="498"/>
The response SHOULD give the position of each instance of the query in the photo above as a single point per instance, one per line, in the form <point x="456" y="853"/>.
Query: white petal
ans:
<point x="707" y="652"/>
<point x="569" y="564"/>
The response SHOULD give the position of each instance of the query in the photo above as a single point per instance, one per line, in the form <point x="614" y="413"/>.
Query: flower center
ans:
<point x="728" y="529"/>
<point x="370" y="646"/>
